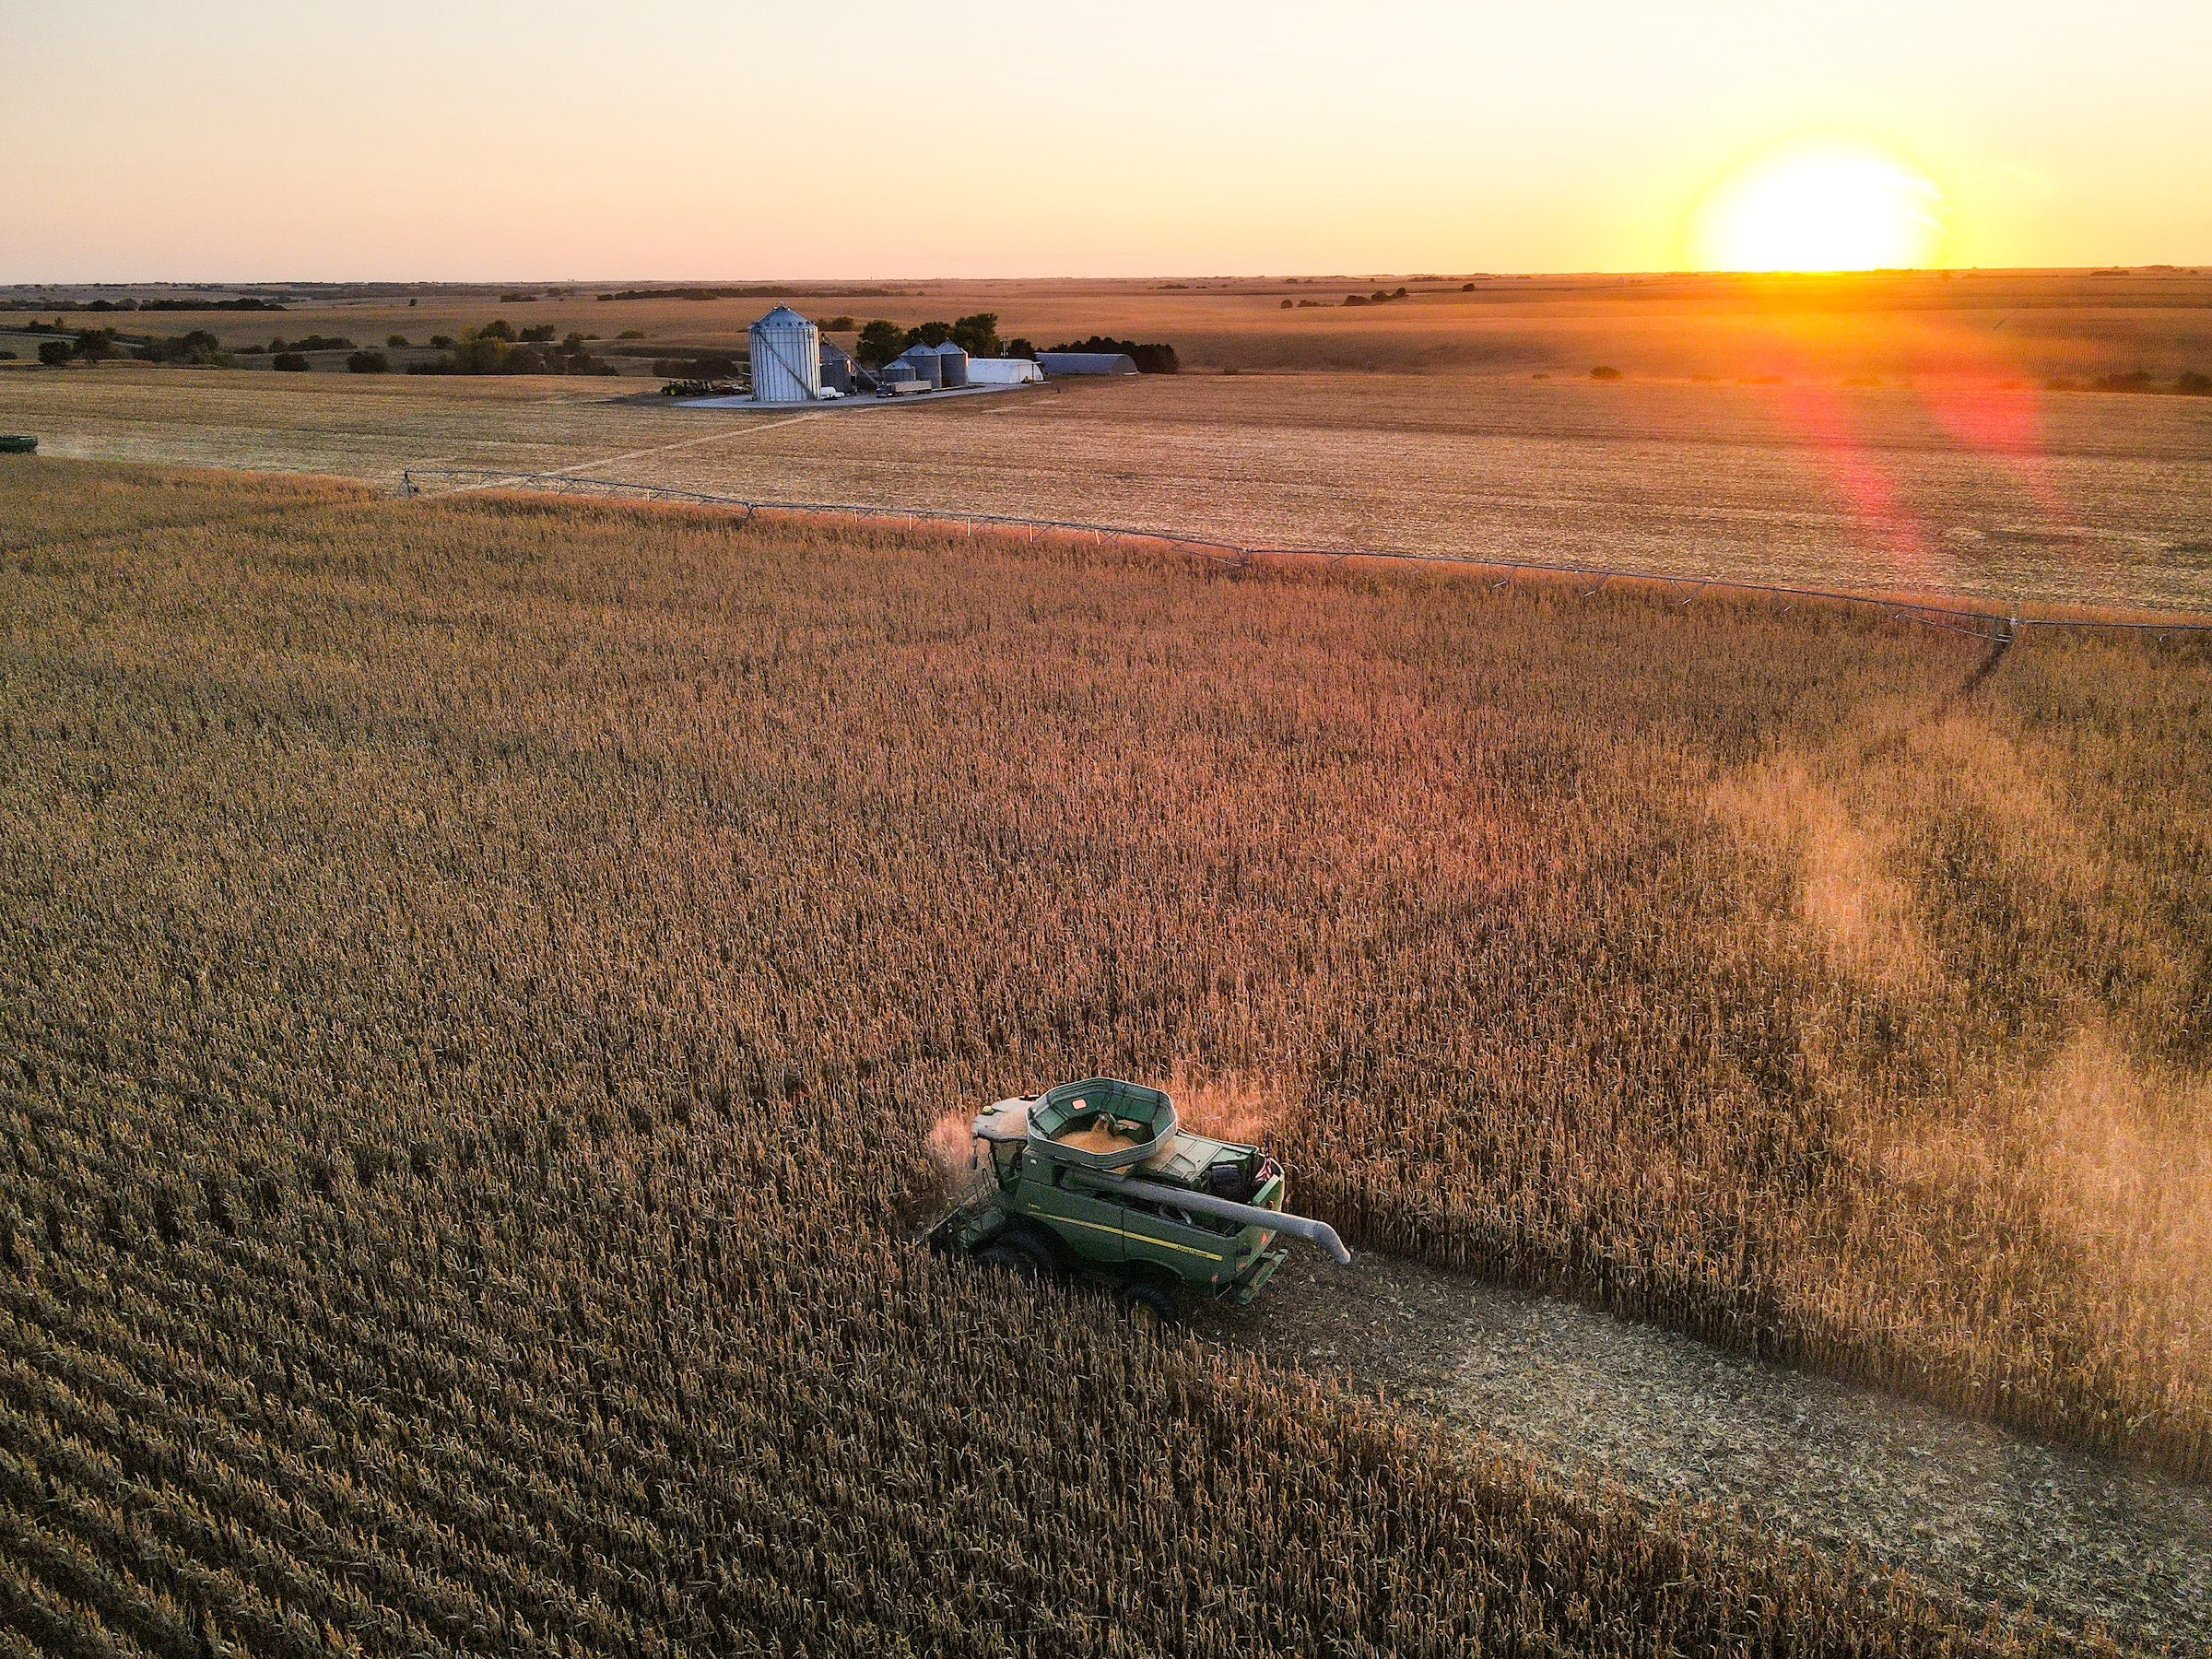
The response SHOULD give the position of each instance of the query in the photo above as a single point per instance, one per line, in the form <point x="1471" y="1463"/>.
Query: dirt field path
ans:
<point x="1987" y="1513"/>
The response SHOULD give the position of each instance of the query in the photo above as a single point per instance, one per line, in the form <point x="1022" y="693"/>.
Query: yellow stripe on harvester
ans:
<point x="1141" y="1238"/>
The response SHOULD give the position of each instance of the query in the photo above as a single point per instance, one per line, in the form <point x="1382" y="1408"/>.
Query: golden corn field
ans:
<point x="480" y="978"/>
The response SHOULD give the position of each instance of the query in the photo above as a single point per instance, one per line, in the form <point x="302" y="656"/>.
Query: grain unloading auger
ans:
<point x="1097" y="1180"/>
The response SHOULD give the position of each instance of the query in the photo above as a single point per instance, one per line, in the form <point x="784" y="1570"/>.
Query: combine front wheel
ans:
<point x="1017" y="1256"/>
<point x="1148" y="1308"/>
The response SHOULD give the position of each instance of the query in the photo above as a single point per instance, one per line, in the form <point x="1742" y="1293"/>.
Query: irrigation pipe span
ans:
<point x="1981" y="625"/>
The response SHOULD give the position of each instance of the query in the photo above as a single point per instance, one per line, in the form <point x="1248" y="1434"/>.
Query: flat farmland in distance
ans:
<point x="1999" y="324"/>
<point x="1947" y="485"/>
<point x="1865" y="489"/>
<point x="367" y="427"/>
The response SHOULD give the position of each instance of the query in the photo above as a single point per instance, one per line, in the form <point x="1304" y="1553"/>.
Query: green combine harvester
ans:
<point x="1095" y="1180"/>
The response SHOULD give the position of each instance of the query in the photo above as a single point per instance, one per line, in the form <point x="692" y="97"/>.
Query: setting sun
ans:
<point x="1825" y="206"/>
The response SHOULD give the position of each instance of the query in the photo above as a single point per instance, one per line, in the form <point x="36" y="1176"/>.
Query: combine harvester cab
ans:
<point x="1097" y="1180"/>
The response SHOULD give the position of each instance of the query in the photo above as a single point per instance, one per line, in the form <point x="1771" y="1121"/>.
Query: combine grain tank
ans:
<point x="1098" y="1180"/>
<point x="786" y="352"/>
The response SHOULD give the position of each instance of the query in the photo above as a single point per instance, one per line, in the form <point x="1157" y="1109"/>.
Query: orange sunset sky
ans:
<point x="231" y="140"/>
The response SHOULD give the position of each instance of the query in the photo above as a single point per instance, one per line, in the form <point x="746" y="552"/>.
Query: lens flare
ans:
<point x="1825" y="204"/>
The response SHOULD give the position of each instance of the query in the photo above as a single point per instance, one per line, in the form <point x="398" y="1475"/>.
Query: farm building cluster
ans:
<point x="793" y="363"/>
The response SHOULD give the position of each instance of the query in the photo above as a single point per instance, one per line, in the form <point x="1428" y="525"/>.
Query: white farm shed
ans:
<point x="1002" y="371"/>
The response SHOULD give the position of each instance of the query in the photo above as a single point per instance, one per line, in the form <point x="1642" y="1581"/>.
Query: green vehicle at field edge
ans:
<point x="1097" y="1180"/>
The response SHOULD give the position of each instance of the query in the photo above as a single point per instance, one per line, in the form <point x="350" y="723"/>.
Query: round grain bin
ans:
<point x="952" y="365"/>
<point x="787" y="358"/>
<point x="924" y="361"/>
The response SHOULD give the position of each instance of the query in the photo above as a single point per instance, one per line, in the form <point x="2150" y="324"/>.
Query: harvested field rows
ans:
<point x="2002" y="495"/>
<point x="1865" y="490"/>
<point x="356" y="426"/>
<point x="1673" y="1421"/>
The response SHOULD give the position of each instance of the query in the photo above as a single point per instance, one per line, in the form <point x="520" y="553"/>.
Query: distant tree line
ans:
<point x="880" y="341"/>
<point x="499" y="347"/>
<point x="753" y="291"/>
<point x="977" y="336"/>
<point x="702" y="366"/>
<point x="245" y="304"/>
<point x="2190" y="382"/>
<point x="196" y="350"/>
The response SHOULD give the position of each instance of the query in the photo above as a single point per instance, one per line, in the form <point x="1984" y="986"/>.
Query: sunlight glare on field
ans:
<point x="1825" y="204"/>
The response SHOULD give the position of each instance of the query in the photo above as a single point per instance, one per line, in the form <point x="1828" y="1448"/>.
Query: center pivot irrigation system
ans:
<point x="1998" y="626"/>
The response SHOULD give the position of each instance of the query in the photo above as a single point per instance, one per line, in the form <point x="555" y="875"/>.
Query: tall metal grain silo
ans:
<point x="786" y="350"/>
<point x="952" y="364"/>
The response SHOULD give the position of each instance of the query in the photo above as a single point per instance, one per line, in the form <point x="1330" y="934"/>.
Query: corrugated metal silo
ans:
<point x="926" y="364"/>
<point x="952" y="365"/>
<point x="786" y="351"/>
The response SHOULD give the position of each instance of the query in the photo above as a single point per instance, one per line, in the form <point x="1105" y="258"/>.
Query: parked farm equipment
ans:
<point x="1097" y="1180"/>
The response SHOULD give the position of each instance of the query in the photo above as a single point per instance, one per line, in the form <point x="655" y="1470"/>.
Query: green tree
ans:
<point x="978" y="334"/>
<point x="879" y="342"/>
<point x="482" y="353"/>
